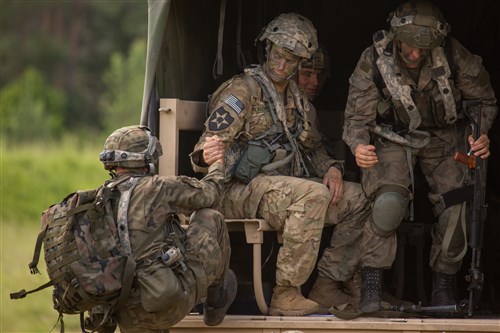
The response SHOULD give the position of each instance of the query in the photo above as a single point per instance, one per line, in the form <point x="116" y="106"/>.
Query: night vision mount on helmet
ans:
<point x="131" y="147"/>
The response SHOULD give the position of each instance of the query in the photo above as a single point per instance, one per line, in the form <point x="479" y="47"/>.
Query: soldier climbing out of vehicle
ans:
<point x="311" y="76"/>
<point x="277" y="168"/>
<point x="404" y="107"/>
<point x="200" y="256"/>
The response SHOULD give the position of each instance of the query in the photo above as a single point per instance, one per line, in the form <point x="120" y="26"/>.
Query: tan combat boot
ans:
<point x="288" y="301"/>
<point x="327" y="293"/>
<point x="353" y="288"/>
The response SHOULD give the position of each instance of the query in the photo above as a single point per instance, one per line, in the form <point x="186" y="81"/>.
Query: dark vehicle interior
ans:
<point x="198" y="53"/>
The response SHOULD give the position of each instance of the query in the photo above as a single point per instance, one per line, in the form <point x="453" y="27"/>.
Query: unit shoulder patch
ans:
<point x="219" y="120"/>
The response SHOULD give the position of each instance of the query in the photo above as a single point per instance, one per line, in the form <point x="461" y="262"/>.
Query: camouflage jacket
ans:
<point x="240" y="112"/>
<point x="366" y="107"/>
<point x="156" y="197"/>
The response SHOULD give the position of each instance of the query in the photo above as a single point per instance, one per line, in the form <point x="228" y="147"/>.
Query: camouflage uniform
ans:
<point x="404" y="99"/>
<point x="207" y="241"/>
<point x="436" y="158"/>
<point x="161" y="296"/>
<point x="287" y="197"/>
<point x="334" y="285"/>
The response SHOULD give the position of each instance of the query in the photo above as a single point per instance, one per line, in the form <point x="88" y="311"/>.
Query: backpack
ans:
<point x="88" y="257"/>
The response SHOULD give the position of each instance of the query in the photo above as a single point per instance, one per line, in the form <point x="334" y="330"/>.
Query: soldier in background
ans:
<point x="131" y="155"/>
<point x="311" y="77"/>
<point x="313" y="73"/>
<point x="404" y="106"/>
<point x="273" y="154"/>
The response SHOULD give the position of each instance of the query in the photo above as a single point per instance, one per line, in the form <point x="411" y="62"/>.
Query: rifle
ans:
<point x="476" y="180"/>
<point x="446" y="310"/>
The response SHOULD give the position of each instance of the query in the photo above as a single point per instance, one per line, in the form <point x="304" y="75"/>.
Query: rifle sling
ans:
<point x="453" y="197"/>
<point x="457" y="216"/>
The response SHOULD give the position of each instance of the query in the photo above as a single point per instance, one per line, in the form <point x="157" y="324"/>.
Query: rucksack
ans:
<point x="89" y="261"/>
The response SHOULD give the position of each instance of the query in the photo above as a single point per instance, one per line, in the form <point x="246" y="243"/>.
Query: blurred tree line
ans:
<point x="70" y="66"/>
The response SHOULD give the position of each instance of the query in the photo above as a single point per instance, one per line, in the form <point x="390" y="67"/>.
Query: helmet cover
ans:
<point x="293" y="32"/>
<point x="131" y="147"/>
<point x="419" y="24"/>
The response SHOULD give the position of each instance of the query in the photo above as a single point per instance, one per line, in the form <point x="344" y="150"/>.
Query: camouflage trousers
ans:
<point x="350" y="215"/>
<point x="442" y="174"/>
<point x="296" y="206"/>
<point x="207" y="243"/>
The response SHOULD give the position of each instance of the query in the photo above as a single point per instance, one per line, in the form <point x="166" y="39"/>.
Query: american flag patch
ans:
<point x="235" y="103"/>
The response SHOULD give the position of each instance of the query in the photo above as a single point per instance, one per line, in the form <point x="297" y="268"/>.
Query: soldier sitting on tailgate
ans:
<point x="277" y="168"/>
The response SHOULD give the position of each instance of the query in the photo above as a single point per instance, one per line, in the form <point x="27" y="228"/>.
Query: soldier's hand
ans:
<point x="365" y="156"/>
<point x="480" y="147"/>
<point x="213" y="150"/>
<point x="333" y="180"/>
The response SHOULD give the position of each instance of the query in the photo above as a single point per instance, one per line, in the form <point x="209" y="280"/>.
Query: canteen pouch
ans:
<point x="165" y="280"/>
<point x="255" y="156"/>
<point x="160" y="286"/>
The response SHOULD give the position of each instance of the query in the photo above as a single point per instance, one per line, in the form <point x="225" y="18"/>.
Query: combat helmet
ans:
<point x="320" y="60"/>
<point x="419" y="24"/>
<point x="131" y="147"/>
<point x="292" y="32"/>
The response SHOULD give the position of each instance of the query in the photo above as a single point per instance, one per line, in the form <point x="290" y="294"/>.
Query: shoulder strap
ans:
<point x="122" y="215"/>
<point x="377" y="76"/>
<point x="451" y="60"/>
<point x="123" y="235"/>
<point x="129" y="272"/>
<point x="298" y="166"/>
<point x="402" y="92"/>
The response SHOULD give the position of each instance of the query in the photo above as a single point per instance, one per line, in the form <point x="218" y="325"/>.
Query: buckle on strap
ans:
<point x="453" y="197"/>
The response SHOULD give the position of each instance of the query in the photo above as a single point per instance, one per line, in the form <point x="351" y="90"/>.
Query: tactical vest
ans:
<point x="384" y="76"/>
<point x="278" y="135"/>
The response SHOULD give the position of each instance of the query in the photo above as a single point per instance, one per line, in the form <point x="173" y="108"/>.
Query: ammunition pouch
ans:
<point x="254" y="157"/>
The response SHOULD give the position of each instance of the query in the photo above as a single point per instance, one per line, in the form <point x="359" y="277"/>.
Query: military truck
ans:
<point x="195" y="45"/>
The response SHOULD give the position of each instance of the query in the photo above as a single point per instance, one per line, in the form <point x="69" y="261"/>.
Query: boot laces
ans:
<point x="372" y="285"/>
<point x="446" y="283"/>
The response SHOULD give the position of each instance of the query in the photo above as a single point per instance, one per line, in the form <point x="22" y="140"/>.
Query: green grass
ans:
<point x="35" y="312"/>
<point x="38" y="175"/>
<point x="32" y="178"/>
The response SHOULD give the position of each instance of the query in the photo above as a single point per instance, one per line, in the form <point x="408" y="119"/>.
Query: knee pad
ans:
<point x="389" y="207"/>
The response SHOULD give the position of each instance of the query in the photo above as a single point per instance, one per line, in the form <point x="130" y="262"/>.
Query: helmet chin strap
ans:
<point x="293" y="74"/>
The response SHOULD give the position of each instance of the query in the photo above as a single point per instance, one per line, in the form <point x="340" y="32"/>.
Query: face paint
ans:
<point x="281" y="64"/>
<point x="413" y="57"/>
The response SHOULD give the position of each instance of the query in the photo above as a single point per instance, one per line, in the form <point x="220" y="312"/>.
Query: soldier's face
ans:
<point x="311" y="81"/>
<point x="413" y="57"/>
<point x="282" y="64"/>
